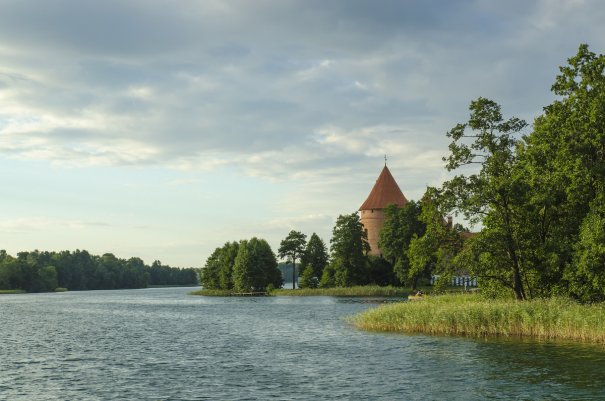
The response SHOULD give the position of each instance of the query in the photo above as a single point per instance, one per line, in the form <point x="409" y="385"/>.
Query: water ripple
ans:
<point x="162" y="344"/>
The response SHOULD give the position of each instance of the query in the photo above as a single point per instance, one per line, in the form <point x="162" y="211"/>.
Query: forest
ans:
<point x="79" y="270"/>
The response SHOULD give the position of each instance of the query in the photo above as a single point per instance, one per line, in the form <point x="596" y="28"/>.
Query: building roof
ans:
<point x="385" y="192"/>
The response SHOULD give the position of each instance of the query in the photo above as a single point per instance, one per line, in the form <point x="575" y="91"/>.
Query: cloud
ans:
<point x="306" y="94"/>
<point x="209" y="83"/>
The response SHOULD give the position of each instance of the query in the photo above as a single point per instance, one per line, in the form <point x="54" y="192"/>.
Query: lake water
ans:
<point x="162" y="344"/>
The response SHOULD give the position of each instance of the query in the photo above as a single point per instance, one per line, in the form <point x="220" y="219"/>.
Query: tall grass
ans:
<point x="12" y="291"/>
<point x="213" y="293"/>
<point x="357" y="291"/>
<point x="470" y="315"/>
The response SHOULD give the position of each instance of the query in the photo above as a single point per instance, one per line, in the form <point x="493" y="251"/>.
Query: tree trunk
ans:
<point x="518" y="286"/>
<point x="293" y="273"/>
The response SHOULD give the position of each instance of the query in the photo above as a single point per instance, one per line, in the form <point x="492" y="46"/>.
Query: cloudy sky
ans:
<point x="162" y="129"/>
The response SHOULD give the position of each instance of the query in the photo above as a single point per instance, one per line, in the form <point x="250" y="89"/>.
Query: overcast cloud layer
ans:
<point x="163" y="129"/>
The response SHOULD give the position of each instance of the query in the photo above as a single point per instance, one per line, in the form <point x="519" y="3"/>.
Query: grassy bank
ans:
<point x="470" y="315"/>
<point x="213" y="293"/>
<point x="358" y="291"/>
<point x="12" y="292"/>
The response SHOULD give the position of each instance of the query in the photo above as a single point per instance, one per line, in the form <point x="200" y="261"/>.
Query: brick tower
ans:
<point x="385" y="192"/>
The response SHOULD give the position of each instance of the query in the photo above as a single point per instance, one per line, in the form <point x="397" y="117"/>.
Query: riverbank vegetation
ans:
<point x="355" y="291"/>
<point x="11" y="292"/>
<point x="213" y="292"/>
<point x="79" y="270"/>
<point x="473" y="315"/>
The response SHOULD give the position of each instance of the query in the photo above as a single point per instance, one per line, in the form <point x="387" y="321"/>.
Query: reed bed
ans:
<point x="12" y="292"/>
<point x="213" y="293"/>
<point x="470" y="315"/>
<point x="357" y="291"/>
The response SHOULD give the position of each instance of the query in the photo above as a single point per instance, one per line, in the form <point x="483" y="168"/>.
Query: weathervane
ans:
<point x="385" y="160"/>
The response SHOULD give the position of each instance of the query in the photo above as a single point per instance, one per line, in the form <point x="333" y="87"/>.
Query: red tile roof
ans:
<point x="385" y="192"/>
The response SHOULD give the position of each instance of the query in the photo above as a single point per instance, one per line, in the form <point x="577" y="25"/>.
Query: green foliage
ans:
<point x="315" y="256"/>
<point x="327" y="277"/>
<point x="349" y="246"/>
<point x="537" y="197"/>
<point x="587" y="277"/>
<point x="433" y="252"/>
<point x="218" y="270"/>
<point x="496" y="195"/>
<point x="400" y="226"/>
<point x="292" y="247"/>
<point x="255" y="267"/>
<point x="565" y="160"/>
<point x="380" y="272"/>
<point x="308" y="279"/>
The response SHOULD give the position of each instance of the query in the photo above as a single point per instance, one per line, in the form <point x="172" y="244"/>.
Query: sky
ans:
<point x="163" y="129"/>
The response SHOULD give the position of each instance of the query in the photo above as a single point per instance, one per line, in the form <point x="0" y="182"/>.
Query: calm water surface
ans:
<point x="162" y="344"/>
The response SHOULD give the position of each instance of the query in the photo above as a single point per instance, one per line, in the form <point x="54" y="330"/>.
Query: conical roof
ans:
<point x="385" y="192"/>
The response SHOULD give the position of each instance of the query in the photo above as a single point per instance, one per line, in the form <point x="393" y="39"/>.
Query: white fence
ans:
<point x="458" y="281"/>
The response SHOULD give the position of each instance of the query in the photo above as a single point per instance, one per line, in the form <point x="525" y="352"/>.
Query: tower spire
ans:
<point x="385" y="160"/>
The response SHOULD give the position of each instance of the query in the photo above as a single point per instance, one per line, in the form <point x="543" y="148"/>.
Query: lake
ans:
<point x="162" y="344"/>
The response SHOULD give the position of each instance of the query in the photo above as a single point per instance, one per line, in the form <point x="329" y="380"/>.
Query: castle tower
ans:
<point x="385" y="192"/>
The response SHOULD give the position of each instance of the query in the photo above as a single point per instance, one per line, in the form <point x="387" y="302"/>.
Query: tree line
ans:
<point x="79" y="270"/>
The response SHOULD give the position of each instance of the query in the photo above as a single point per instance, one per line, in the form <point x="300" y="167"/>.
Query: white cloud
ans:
<point x="307" y="95"/>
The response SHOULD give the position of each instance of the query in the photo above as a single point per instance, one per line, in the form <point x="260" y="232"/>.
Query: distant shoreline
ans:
<point x="357" y="291"/>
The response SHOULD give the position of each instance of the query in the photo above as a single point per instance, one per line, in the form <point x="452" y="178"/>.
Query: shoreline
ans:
<point x="356" y="291"/>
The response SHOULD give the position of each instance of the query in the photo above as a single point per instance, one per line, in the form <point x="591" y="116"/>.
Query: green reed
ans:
<point x="470" y="315"/>
<point x="213" y="293"/>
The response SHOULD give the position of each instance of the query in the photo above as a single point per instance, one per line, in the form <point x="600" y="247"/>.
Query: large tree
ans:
<point x="313" y="261"/>
<point x="349" y="247"/>
<point x="496" y="195"/>
<point x="255" y="267"/>
<point x="218" y="271"/>
<point x="292" y="247"/>
<point x="565" y="161"/>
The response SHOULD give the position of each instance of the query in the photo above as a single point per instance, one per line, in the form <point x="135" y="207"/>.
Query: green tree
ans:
<point x="255" y="267"/>
<point x="327" y="277"/>
<point x="349" y="247"/>
<point x="400" y="226"/>
<point x="565" y="161"/>
<point x="308" y="279"/>
<point x="209" y="275"/>
<point x="497" y="194"/>
<point x="587" y="279"/>
<point x="292" y="247"/>
<point x="315" y="256"/>
<point x="435" y="250"/>
<point x="226" y="263"/>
